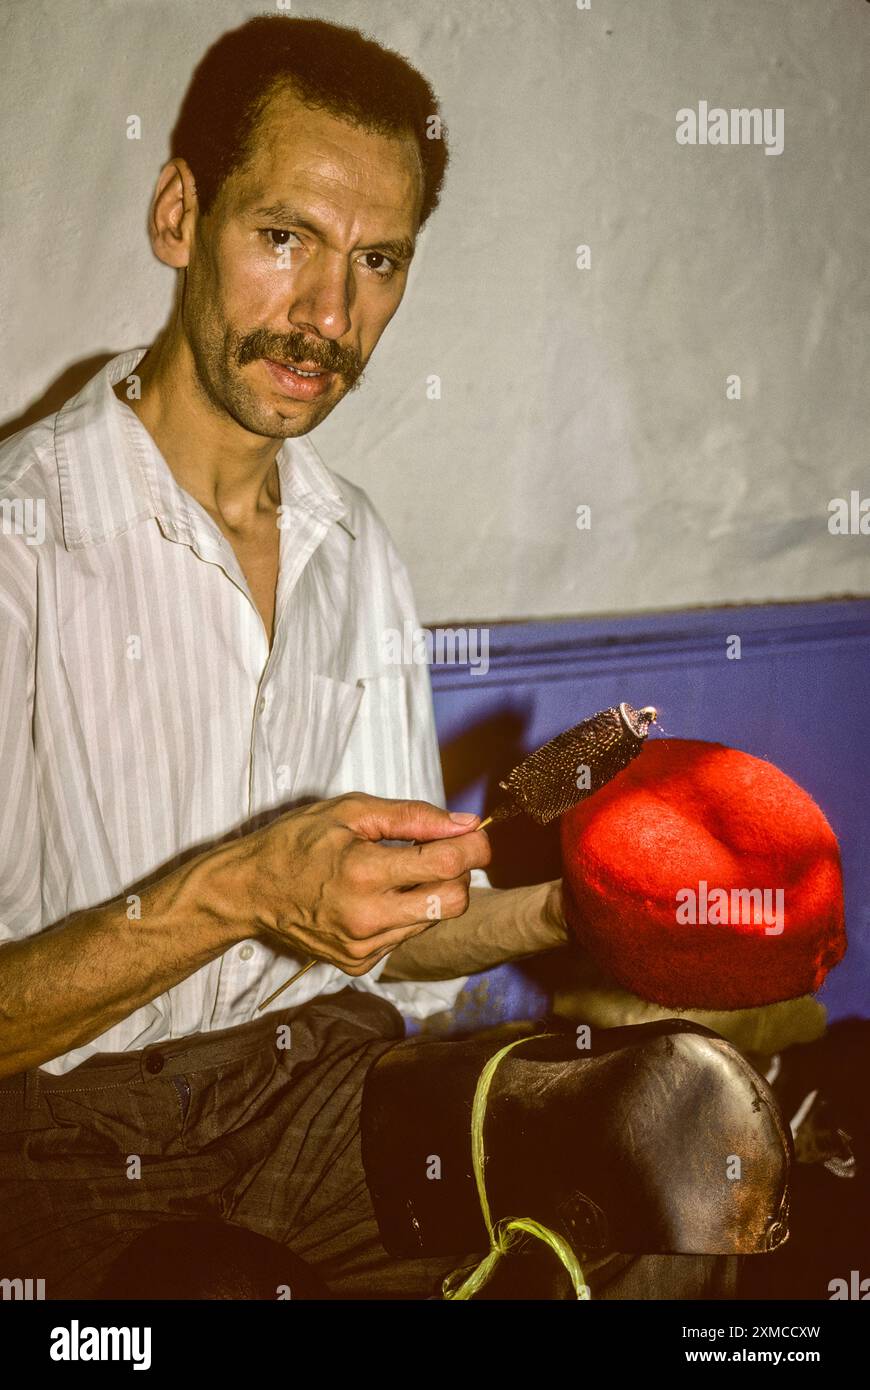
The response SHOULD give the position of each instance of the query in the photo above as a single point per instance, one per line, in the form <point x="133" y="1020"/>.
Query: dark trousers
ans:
<point x="255" y="1126"/>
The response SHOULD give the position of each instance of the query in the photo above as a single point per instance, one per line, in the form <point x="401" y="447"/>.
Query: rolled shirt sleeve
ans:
<point x="20" y="838"/>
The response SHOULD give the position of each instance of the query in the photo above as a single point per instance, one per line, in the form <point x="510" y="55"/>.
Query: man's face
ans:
<point x="303" y="260"/>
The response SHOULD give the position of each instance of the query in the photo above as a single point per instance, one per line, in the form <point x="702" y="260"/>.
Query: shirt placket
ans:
<point x="301" y="532"/>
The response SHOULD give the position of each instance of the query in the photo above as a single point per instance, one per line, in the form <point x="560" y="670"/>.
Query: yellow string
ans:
<point x="509" y="1231"/>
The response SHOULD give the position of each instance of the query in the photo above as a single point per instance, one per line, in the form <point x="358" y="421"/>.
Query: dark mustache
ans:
<point x="296" y="347"/>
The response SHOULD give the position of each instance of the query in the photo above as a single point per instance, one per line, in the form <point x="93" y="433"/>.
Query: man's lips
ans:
<point x="299" y="366"/>
<point x="299" y="388"/>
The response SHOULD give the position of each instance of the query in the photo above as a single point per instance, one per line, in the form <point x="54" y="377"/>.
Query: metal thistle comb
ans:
<point x="574" y="765"/>
<point x="548" y="782"/>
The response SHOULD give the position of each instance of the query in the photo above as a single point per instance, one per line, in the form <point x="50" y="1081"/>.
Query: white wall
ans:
<point x="560" y="386"/>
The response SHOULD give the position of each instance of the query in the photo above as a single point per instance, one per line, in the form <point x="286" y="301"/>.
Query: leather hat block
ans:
<point x="624" y="1145"/>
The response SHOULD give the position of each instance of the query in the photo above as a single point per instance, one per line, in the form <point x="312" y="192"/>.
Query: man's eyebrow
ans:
<point x="399" y="248"/>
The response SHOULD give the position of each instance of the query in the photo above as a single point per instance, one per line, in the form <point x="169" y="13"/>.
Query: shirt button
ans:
<point x="262" y="704"/>
<point x="154" y="1063"/>
<point x="246" y="952"/>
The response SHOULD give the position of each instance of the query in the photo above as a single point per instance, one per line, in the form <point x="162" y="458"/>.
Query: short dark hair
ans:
<point x="330" y="67"/>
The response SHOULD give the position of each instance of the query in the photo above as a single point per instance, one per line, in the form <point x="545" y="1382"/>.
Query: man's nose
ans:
<point x="322" y="298"/>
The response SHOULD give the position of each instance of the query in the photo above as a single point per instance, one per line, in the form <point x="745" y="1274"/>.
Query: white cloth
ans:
<point x="141" y="711"/>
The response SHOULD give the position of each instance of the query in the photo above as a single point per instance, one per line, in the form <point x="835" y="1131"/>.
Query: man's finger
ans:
<point x="380" y="868"/>
<point x="400" y="908"/>
<point x="380" y="946"/>
<point x="378" y="818"/>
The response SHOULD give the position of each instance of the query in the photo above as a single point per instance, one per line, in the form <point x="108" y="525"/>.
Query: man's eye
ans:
<point x="380" y="264"/>
<point x="278" y="236"/>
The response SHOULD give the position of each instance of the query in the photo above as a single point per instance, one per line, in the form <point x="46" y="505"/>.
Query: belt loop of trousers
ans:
<point x="31" y="1089"/>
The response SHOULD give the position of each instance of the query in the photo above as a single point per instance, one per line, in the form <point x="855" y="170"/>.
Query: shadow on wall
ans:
<point x="68" y="384"/>
<point x="522" y="851"/>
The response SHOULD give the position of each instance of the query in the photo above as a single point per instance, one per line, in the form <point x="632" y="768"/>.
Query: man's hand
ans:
<point x="554" y="915"/>
<point x="319" y="880"/>
<point x="315" y="878"/>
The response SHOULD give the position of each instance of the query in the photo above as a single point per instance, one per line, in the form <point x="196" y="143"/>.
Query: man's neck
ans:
<point x="235" y="479"/>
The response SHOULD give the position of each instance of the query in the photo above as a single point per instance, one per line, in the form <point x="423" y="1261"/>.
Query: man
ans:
<point x="215" y="774"/>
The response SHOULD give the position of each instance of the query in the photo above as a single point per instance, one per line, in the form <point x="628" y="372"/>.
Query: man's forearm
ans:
<point x="500" y="925"/>
<point x="70" y="983"/>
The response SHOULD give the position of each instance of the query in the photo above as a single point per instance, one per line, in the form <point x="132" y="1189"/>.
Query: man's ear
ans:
<point x="173" y="214"/>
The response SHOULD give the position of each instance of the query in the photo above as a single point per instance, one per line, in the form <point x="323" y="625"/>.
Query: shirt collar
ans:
<point x="112" y="475"/>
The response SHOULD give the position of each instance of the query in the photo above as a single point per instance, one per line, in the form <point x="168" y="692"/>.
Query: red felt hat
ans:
<point x="701" y="877"/>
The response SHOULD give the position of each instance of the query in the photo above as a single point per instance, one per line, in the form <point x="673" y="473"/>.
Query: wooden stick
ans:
<point x="287" y="984"/>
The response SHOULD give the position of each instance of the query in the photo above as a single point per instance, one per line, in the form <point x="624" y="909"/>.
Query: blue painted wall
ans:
<point x="798" y="696"/>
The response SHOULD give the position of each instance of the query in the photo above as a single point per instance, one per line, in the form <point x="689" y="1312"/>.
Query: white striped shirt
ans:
<point x="141" y="711"/>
